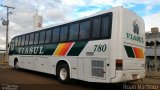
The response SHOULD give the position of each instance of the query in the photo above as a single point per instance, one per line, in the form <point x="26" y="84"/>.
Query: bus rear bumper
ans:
<point x="128" y="75"/>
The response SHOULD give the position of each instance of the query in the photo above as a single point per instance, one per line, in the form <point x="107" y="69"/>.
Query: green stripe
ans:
<point x="129" y="51"/>
<point x="77" y="48"/>
<point x="47" y="49"/>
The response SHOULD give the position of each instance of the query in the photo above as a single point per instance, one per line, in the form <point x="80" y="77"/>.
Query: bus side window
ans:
<point x="64" y="33"/>
<point x="84" y="30"/>
<point x="27" y="38"/>
<point x="96" y="28"/>
<point x="73" y="32"/>
<point x="13" y="41"/>
<point x="48" y="36"/>
<point x="55" y="35"/>
<point x="19" y="40"/>
<point x="16" y="41"/>
<point x="12" y="44"/>
<point x="31" y="38"/>
<point x="23" y="40"/>
<point x="105" y="26"/>
<point x="36" y="37"/>
<point x="42" y="37"/>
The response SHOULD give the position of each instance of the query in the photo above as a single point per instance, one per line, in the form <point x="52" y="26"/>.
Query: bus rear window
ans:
<point x="105" y="26"/>
<point x="96" y="28"/>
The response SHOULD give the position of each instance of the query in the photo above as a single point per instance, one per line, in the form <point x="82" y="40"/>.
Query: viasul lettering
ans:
<point x="135" y="38"/>
<point x="30" y="50"/>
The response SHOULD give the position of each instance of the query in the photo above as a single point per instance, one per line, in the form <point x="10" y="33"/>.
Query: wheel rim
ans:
<point x="63" y="73"/>
<point x="17" y="65"/>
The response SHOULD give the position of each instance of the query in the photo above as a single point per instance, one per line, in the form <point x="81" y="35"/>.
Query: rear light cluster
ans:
<point x="119" y="64"/>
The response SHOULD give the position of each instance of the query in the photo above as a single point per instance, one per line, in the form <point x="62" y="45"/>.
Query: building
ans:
<point x="150" y="55"/>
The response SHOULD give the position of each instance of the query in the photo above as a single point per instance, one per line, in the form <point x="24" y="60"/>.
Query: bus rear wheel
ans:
<point x="63" y="73"/>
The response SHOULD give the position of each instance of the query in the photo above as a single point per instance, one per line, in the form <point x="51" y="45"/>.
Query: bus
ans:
<point x="106" y="47"/>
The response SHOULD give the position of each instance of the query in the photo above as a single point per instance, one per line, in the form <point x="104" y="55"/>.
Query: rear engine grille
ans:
<point x="97" y="68"/>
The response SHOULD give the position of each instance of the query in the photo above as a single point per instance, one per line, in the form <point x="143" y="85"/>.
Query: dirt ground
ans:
<point x="11" y="79"/>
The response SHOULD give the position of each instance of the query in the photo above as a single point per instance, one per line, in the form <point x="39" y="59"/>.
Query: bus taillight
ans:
<point x="119" y="64"/>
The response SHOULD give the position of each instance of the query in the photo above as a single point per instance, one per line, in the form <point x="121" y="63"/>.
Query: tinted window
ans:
<point x="42" y="36"/>
<point x="23" y="40"/>
<point x="105" y="26"/>
<point x="19" y="41"/>
<point x="36" y="37"/>
<point x="64" y="33"/>
<point x="55" y="37"/>
<point x="13" y="40"/>
<point x="27" y="38"/>
<point x="73" y="32"/>
<point x="31" y="38"/>
<point x="48" y="36"/>
<point x="84" y="30"/>
<point x="12" y="44"/>
<point x="96" y="28"/>
<point x="16" y="41"/>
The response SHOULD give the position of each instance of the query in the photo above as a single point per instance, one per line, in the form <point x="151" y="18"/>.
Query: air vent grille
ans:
<point x="97" y="68"/>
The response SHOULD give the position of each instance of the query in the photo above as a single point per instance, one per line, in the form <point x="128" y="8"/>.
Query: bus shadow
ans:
<point x="78" y="83"/>
<point x="36" y="73"/>
<point x="98" y="86"/>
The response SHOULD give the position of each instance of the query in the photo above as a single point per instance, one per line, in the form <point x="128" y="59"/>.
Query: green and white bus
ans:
<point x="107" y="47"/>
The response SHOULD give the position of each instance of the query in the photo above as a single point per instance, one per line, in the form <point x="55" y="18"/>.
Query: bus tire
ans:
<point x="16" y="65"/>
<point x="63" y="73"/>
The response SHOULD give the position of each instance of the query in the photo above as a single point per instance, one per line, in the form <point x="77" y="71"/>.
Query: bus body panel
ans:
<point x="29" y="62"/>
<point x="115" y="43"/>
<point x="80" y="68"/>
<point x="97" y="51"/>
<point x="127" y="75"/>
<point x="134" y="41"/>
<point x="131" y="46"/>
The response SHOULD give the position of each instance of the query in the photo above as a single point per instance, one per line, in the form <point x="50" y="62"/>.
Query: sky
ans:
<point x="59" y="11"/>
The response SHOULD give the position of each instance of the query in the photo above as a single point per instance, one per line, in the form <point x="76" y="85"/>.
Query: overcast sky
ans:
<point x="58" y="11"/>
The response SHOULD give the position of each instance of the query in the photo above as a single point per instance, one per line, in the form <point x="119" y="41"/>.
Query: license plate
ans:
<point x="134" y="76"/>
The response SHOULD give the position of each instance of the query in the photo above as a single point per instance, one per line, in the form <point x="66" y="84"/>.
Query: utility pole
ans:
<point x="6" y="22"/>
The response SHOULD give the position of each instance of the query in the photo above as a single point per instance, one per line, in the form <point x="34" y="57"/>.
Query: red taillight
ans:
<point x="119" y="64"/>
